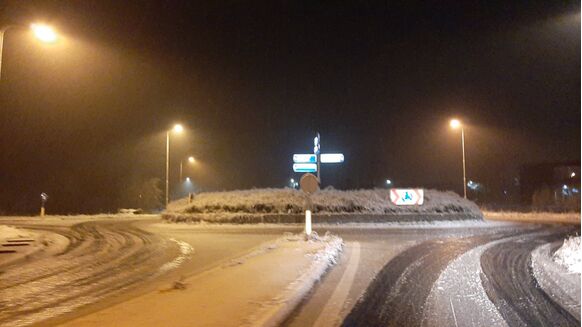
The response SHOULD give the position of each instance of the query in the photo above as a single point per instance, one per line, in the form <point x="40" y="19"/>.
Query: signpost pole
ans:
<point x="308" y="222"/>
<point x="309" y="185"/>
<point x="464" y="169"/>
<point x="317" y="151"/>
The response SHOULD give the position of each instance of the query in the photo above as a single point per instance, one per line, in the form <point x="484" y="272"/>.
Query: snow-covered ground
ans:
<point x="285" y="201"/>
<point x="457" y="298"/>
<point x="569" y="255"/>
<point x="9" y="232"/>
<point x="31" y="243"/>
<point x="256" y="289"/>
<point x="562" y="285"/>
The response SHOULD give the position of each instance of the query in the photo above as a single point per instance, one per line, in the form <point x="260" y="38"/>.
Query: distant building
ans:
<point x="561" y="180"/>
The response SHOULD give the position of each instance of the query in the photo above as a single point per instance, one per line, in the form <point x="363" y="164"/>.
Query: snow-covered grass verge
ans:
<point x="534" y="217"/>
<point x="327" y="201"/>
<point x="569" y="255"/>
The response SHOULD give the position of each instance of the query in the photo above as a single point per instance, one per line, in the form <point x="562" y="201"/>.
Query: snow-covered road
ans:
<point x="101" y="258"/>
<point x="394" y="274"/>
<point x="422" y="277"/>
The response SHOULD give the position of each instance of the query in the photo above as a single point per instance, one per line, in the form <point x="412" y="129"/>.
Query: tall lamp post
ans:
<point x="176" y="129"/>
<point x="191" y="160"/>
<point x="42" y="32"/>
<point x="455" y="124"/>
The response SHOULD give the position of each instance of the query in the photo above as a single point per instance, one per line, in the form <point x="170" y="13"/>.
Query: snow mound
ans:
<point x="327" y="201"/>
<point x="7" y="232"/>
<point x="569" y="255"/>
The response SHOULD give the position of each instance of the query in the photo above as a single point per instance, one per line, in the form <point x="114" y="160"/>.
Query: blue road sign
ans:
<point x="305" y="167"/>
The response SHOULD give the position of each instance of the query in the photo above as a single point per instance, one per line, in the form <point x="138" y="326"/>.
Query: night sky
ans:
<point x="253" y="81"/>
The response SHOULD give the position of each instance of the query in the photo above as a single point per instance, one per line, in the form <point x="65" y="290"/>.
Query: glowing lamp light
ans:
<point x="188" y="179"/>
<point x="388" y="182"/>
<point x="44" y="33"/>
<point x="573" y="174"/>
<point x="178" y="128"/>
<point x="455" y="123"/>
<point x="191" y="159"/>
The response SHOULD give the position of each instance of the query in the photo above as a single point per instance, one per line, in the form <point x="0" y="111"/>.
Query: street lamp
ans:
<point x="177" y="129"/>
<point x="42" y="32"/>
<point x="191" y="160"/>
<point x="388" y="182"/>
<point x="455" y="124"/>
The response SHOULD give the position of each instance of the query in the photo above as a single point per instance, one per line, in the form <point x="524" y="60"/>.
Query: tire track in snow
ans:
<point x="106" y="258"/>
<point x="397" y="295"/>
<point x="510" y="284"/>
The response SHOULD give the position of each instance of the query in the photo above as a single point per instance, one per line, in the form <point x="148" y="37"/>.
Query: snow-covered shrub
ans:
<point x="327" y="201"/>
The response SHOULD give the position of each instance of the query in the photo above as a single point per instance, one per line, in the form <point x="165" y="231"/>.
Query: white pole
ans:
<point x="318" y="158"/>
<point x="308" y="222"/>
<point x="464" y="169"/>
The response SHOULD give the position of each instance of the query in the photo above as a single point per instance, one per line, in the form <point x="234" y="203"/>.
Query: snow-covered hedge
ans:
<point x="328" y="201"/>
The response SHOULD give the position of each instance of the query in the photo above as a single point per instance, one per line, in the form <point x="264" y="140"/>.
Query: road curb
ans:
<point x="242" y="218"/>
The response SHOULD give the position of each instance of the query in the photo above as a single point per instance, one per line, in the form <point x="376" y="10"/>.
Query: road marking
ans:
<point x="330" y="314"/>
<point x="454" y="315"/>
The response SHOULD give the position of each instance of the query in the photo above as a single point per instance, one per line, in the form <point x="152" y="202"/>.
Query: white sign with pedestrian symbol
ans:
<point x="407" y="196"/>
<point x="305" y="158"/>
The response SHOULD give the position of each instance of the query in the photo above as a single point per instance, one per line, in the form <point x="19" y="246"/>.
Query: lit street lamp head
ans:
<point x="178" y="128"/>
<point x="44" y="33"/>
<point x="455" y="123"/>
